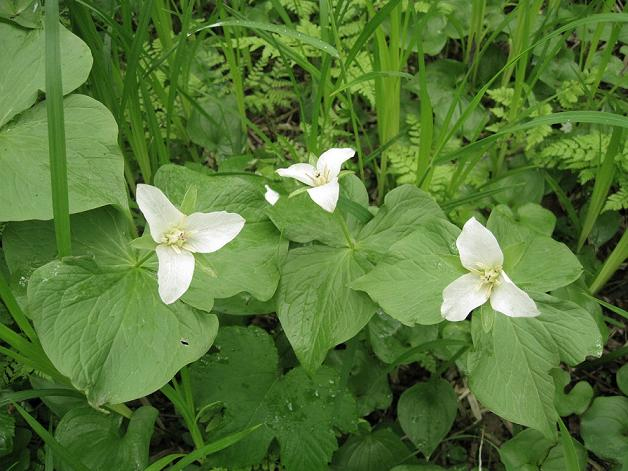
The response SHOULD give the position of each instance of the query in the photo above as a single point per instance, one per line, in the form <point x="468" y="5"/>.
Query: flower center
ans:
<point x="320" y="178"/>
<point x="490" y="276"/>
<point x="175" y="237"/>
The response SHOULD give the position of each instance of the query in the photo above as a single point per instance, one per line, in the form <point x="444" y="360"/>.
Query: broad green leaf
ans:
<point x="408" y="283"/>
<point x="100" y="442"/>
<point x="95" y="164"/>
<point x="405" y="208"/>
<point x="367" y="377"/>
<point x="577" y="400"/>
<point x="240" y="194"/>
<point x="315" y="305"/>
<point x="371" y="451"/>
<point x="26" y="13"/>
<point x="426" y="412"/>
<point x="22" y="54"/>
<point x="101" y="321"/>
<point x="529" y="449"/>
<point x="603" y="428"/>
<point x="537" y="218"/>
<point x="418" y="467"/>
<point x="299" y="411"/>
<point x="237" y="376"/>
<point x="533" y="261"/>
<point x="244" y="304"/>
<point x="7" y="432"/>
<point x="219" y="127"/>
<point x="622" y="379"/>
<point x="250" y="263"/>
<point x="513" y="380"/>
<point x="572" y="328"/>
<point x="390" y="339"/>
<point x="301" y="220"/>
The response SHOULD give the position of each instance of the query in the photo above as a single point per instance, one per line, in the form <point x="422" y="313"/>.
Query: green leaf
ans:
<point x="371" y="451"/>
<point x="23" y="75"/>
<point x="533" y="261"/>
<point x="405" y="208"/>
<point x="408" y="283"/>
<point x="95" y="164"/>
<point x="603" y="428"/>
<point x="7" y="432"/>
<point x="299" y="411"/>
<point x="367" y="377"/>
<point x="315" y="305"/>
<point x="577" y="400"/>
<point x="100" y="319"/>
<point x="513" y="380"/>
<point x="530" y="448"/>
<point x="99" y="441"/>
<point x="250" y="263"/>
<point x="240" y="194"/>
<point x="301" y="220"/>
<point x="572" y="328"/>
<point x="390" y="339"/>
<point x="26" y="13"/>
<point x="218" y="128"/>
<point x="426" y="413"/>
<point x="622" y="379"/>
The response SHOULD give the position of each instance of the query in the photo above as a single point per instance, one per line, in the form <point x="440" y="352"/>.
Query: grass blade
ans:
<point x="271" y="28"/>
<point x="611" y="265"/>
<point x="56" y="131"/>
<point x="55" y="446"/>
<point x="603" y="181"/>
<point x="569" y="450"/>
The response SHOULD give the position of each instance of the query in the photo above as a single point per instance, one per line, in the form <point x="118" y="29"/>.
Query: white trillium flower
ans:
<point x="271" y="195"/>
<point x="323" y="178"/>
<point x="481" y="255"/>
<point x="179" y="236"/>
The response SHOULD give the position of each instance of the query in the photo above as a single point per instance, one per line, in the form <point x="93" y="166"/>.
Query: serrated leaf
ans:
<point x="426" y="412"/>
<point x="315" y="305"/>
<point x="300" y="411"/>
<point x="101" y="321"/>
<point x="408" y="283"/>
<point x="367" y="377"/>
<point x="100" y="443"/>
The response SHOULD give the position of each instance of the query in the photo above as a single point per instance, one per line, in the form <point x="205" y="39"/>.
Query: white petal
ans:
<point x="271" y="195"/>
<point x="161" y="215"/>
<point x="208" y="232"/>
<point x="302" y="172"/>
<point x="331" y="160"/>
<point x="326" y="196"/>
<point x="508" y="299"/>
<point x="175" y="272"/>
<point x="462" y="296"/>
<point x="478" y="247"/>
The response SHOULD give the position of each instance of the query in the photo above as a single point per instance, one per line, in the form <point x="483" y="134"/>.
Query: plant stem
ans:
<point x="345" y="230"/>
<point x="56" y="131"/>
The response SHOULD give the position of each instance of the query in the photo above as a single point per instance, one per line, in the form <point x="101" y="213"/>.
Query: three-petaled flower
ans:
<point x="323" y="178"/>
<point x="481" y="255"/>
<point x="179" y="236"/>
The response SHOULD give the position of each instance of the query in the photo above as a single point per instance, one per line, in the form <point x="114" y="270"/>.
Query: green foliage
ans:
<point x="301" y="412"/>
<point x="603" y="428"/>
<point x="99" y="441"/>
<point x="581" y="154"/>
